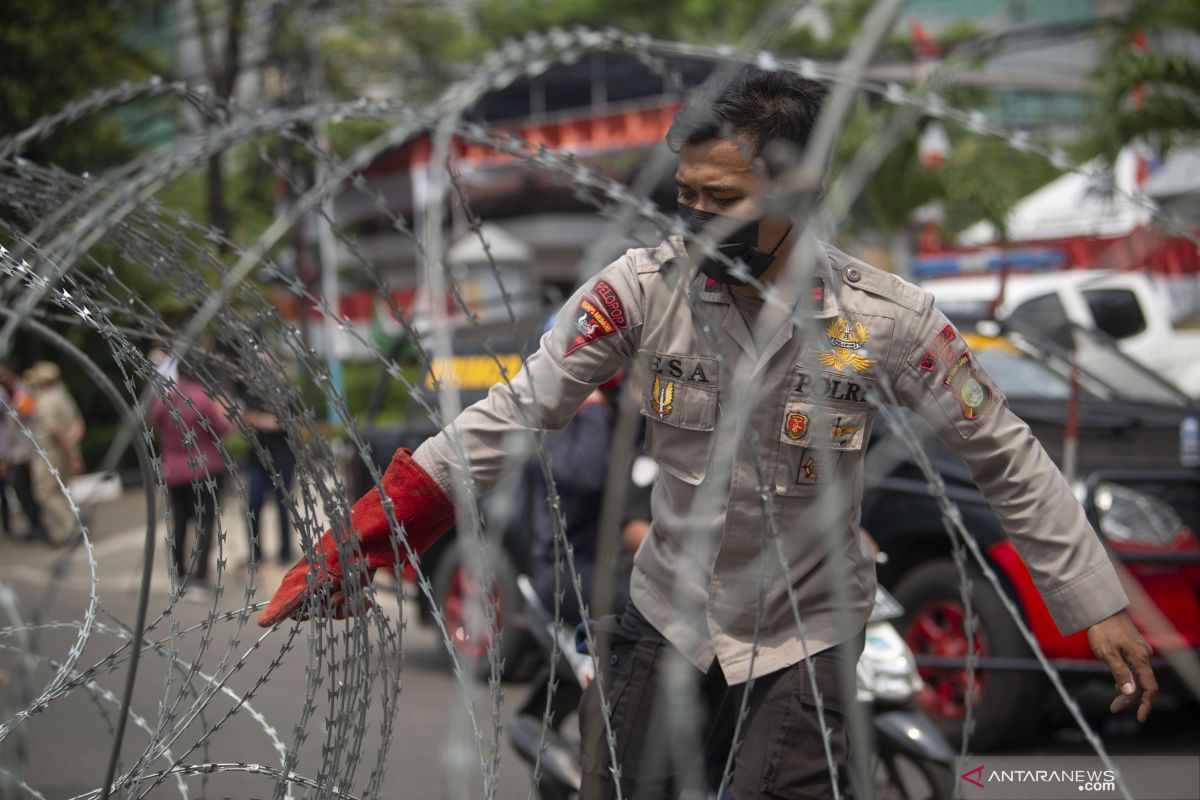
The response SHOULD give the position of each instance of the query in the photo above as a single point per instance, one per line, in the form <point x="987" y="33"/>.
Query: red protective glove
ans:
<point x="419" y="504"/>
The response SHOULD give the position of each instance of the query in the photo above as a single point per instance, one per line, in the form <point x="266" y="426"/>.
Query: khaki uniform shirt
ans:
<point x="55" y="412"/>
<point x="806" y="429"/>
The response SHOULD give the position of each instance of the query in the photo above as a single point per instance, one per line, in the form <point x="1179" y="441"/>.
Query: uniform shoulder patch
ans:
<point x="958" y="383"/>
<point x="611" y="301"/>
<point x="591" y="324"/>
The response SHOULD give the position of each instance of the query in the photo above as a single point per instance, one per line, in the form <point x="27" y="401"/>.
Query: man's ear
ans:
<point x="780" y="156"/>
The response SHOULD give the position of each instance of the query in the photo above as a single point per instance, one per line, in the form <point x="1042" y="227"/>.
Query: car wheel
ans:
<point x="462" y="600"/>
<point x="1007" y="703"/>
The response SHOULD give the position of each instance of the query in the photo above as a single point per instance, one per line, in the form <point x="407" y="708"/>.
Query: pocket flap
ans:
<point x="679" y="404"/>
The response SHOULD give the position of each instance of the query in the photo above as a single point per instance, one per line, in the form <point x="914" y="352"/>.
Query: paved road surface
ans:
<point x="62" y="750"/>
<point x="65" y="747"/>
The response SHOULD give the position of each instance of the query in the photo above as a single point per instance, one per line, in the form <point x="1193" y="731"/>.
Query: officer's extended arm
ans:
<point x="596" y="332"/>
<point x="942" y="381"/>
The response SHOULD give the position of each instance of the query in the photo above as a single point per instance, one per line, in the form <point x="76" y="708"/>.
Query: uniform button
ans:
<point x="852" y="274"/>
<point x="612" y="660"/>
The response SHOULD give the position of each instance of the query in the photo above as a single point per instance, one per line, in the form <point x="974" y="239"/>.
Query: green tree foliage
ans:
<point x="705" y="21"/>
<point x="844" y="19"/>
<point x="55" y="51"/>
<point x="984" y="177"/>
<point x="897" y="187"/>
<point x="981" y="178"/>
<point x="1167" y="75"/>
<point x="417" y="47"/>
<point x="51" y="53"/>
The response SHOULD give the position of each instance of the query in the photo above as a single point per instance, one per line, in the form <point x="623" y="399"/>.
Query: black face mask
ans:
<point x="740" y="245"/>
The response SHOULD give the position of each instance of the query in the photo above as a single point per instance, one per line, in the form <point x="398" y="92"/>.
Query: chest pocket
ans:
<point x="820" y="447"/>
<point x="681" y="415"/>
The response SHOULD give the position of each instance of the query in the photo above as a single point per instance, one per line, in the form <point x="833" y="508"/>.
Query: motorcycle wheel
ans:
<point x="1008" y="704"/>
<point x="899" y="776"/>
<point x="462" y="602"/>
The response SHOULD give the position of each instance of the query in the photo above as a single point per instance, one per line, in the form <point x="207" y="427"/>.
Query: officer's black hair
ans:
<point x="763" y="105"/>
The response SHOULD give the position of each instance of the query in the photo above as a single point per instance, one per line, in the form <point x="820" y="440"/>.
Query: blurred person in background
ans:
<point x="579" y="456"/>
<point x="635" y="520"/>
<point x="57" y="428"/>
<point x="579" y="463"/>
<point x="189" y="424"/>
<point x="279" y="461"/>
<point x="17" y="455"/>
<point x="164" y="365"/>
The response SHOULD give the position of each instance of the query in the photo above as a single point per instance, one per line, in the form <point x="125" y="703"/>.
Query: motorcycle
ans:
<point x="911" y="758"/>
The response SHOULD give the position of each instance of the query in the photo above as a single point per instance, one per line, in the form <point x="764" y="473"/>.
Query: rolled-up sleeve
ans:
<point x="595" y="333"/>
<point x="942" y="381"/>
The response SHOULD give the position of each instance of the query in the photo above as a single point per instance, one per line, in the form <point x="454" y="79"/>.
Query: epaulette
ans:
<point x="861" y="275"/>
<point x="652" y="259"/>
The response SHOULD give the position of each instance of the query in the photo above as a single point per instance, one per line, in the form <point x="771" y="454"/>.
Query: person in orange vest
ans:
<point x="17" y="451"/>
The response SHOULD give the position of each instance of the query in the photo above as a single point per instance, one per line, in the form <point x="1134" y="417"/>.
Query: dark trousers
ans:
<point x="21" y="477"/>
<point x="260" y="482"/>
<point x="5" y="512"/>
<point x="188" y="504"/>
<point x="675" y="742"/>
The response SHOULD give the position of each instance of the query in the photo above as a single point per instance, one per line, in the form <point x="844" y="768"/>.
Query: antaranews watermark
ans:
<point x="1042" y="777"/>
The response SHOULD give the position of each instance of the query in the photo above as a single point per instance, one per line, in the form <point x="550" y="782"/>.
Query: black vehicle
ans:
<point x="1127" y="457"/>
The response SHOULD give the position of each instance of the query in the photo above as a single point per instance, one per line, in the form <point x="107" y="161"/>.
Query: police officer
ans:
<point x="804" y="434"/>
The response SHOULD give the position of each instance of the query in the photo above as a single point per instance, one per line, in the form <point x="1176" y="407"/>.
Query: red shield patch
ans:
<point x="612" y="303"/>
<point x="796" y="425"/>
<point x="928" y="362"/>
<point x="591" y="324"/>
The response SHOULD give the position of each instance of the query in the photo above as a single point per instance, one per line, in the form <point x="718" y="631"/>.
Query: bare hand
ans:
<point x="1117" y="642"/>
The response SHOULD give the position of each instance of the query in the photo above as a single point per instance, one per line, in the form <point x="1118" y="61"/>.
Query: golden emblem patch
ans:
<point x="847" y="340"/>
<point x="663" y="396"/>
